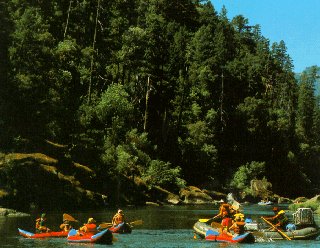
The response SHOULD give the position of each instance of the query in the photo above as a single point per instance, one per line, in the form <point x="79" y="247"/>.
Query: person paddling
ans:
<point x="238" y="225"/>
<point x="224" y="210"/>
<point x="65" y="226"/>
<point x="118" y="218"/>
<point x="40" y="224"/>
<point x="224" y="214"/>
<point x="279" y="219"/>
<point x="89" y="227"/>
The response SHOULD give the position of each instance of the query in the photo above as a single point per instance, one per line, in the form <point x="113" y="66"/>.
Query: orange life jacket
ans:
<point x="117" y="219"/>
<point x="40" y="225"/>
<point x="91" y="228"/>
<point x="239" y="227"/>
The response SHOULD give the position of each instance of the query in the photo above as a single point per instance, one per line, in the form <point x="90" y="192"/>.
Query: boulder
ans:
<point x="261" y="188"/>
<point x="193" y="195"/>
<point x="11" y="212"/>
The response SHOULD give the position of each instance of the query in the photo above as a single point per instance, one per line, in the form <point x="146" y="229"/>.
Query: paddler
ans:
<point x="279" y="219"/>
<point x="224" y="214"/>
<point x="40" y="224"/>
<point x="65" y="226"/>
<point x="89" y="227"/>
<point x="238" y="225"/>
<point x="224" y="210"/>
<point x="118" y="218"/>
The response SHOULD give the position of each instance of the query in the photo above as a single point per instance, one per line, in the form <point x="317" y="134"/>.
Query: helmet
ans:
<point x="91" y="220"/>
<point x="120" y="211"/>
<point x="281" y="212"/>
<point x="237" y="218"/>
<point x="239" y="215"/>
<point x="221" y="201"/>
<point x="43" y="215"/>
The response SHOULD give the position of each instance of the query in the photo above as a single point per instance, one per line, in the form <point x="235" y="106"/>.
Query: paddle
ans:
<point x="68" y="217"/>
<point x="279" y="231"/>
<point x="206" y="220"/>
<point x="213" y="224"/>
<point x="136" y="223"/>
<point x="133" y="223"/>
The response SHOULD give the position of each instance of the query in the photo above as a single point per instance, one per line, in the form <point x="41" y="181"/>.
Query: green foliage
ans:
<point x="245" y="173"/>
<point x="160" y="173"/>
<point x="214" y="93"/>
<point x="254" y="111"/>
<point x="114" y="103"/>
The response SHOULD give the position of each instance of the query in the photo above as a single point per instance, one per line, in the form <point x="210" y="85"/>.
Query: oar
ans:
<point x="136" y="223"/>
<point x="213" y="224"/>
<point x="279" y="231"/>
<point x="107" y="225"/>
<point x="216" y="225"/>
<point x="68" y="217"/>
<point x="206" y="220"/>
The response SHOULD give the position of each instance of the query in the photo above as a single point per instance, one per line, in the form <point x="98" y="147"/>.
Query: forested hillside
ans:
<point x="170" y="91"/>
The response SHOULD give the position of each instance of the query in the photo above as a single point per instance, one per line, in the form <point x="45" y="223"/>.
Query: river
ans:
<point x="163" y="227"/>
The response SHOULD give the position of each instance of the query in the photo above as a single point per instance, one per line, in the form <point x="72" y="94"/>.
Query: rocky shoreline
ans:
<point x="6" y="212"/>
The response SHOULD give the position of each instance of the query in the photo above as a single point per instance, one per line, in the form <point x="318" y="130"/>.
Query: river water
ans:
<point x="163" y="227"/>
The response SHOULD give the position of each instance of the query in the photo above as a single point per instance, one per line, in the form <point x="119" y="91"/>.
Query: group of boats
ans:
<point x="302" y="228"/>
<point x="104" y="235"/>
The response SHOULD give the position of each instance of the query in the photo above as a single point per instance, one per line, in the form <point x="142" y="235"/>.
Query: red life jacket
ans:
<point x="91" y="228"/>
<point x="226" y="222"/>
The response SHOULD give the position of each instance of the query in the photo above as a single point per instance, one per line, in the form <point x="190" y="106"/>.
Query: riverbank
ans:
<point x="302" y="202"/>
<point x="6" y="212"/>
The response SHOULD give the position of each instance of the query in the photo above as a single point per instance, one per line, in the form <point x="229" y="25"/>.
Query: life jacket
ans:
<point x="91" y="228"/>
<point x="226" y="222"/>
<point x="239" y="227"/>
<point x="40" y="225"/>
<point x="117" y="219"/>
<point x="283" y="221"/>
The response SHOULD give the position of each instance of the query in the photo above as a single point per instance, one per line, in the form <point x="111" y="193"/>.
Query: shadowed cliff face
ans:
<point x="39" y="181"/>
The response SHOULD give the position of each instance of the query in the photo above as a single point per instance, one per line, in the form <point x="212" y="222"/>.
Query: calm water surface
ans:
<point x="163" y="227"/>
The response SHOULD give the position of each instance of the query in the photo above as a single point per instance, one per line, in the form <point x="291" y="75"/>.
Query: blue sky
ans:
<point x="296" y="22"/>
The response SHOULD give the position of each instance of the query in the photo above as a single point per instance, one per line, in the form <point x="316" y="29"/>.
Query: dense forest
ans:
<point x="170" y="91"/>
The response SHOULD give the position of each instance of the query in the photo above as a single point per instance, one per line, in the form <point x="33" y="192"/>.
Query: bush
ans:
<point x="160" y="174"/>
<point x="246" y="173"/>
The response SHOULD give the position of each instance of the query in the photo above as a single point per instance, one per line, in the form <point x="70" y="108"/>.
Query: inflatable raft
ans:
<point x="303" y="233"/>
<point x="212" y="234"/>
<point x="121" y="228"/>
<point x="31" y="235"/>
<point x="103" y="237"/>
<point x="303" y="227"/>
